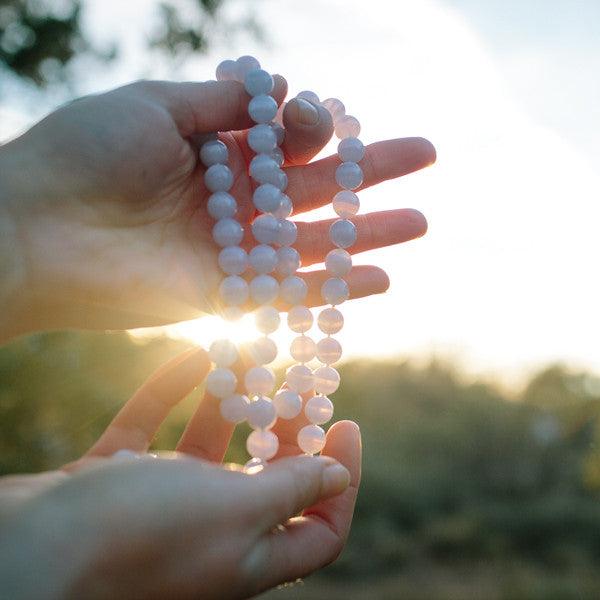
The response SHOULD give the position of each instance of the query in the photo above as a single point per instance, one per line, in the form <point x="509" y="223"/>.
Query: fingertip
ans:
<point x="281" y="88"/>
<point x="418" y="221"/>
<point x="426" y="151"/>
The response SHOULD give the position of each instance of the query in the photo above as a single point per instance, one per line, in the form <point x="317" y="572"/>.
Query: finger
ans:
<point x="138" y="421"/>
<point x="314" y="185"/>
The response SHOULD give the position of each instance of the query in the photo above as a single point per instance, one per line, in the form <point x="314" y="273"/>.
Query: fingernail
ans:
<point x="336" y="478"/>
<point x="307" y="113"/>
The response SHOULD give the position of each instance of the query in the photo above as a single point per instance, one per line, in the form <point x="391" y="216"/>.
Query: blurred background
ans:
<point x="475" y="379"/>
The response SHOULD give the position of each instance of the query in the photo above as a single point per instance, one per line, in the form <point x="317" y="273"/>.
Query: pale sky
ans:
<point x="506" y="278"/>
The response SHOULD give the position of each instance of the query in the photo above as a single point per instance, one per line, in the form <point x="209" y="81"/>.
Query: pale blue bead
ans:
<point x="259" y="380"/>
<point x="318" y="410"/>
<point x="293" y="290"/>
<point x="263" y="350"/>
<point x="267" y="319"/>
<point x="288" y="261"/>
<point x="287" y="403"/>
<point x="285" y="208"/>
<point x="223" y="353"/>
<point x="345" y="203"/>
<point x="221" y="205"/>
<point x="303" y="349"/>
<point x="326" y="380"/>
<point x="263" y="258"/>
<point x="335" y="107"/>
<point x="267" y="198"/>
<point x="278" y="156"/>
<point x="234" y="408"/>
<point x="349" y="175"/>
<point x="264" y="289"/>
<point x="299" y="378"/>
<point x="233" y="260"/>
<point x="351" y="149"/>
<point x="218" y="178"/>
<point x="262" y="109"/>
<point x="258" y="82"/>
<point x="214" y="152"/>
<point x="330" y="321"/>
<point x="338" y="263"/>
<point x="265" y="229"/>
<point x="281" y="180"/>
<point x="288" y="233"/>
<point x="311" y="439"/>
<point x="335" y="291"/>
<point x="329" y="350"/>
<point x="279" y="132"/>
<point x="227" y="70"/>
<point x="264" y="169"/>
<point x="347" y="126"/>
<point x="300" y="319"/>
<point x="261" y="413"/>
<point x="221" y="382"/>
<point x="234" y="290"/>
<point x="309" y="95"/>
<point x="245" y="64"/>
<point x="227" y="232"/>
<point x="262" y="138"/>
<point x="342" y="233"/>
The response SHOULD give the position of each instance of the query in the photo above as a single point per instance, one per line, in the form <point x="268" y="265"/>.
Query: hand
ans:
<point x="103" y="207"/>
<point x="177" y="527"/>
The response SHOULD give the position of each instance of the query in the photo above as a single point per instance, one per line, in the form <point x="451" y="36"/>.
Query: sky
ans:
<point x="506" y="279"/>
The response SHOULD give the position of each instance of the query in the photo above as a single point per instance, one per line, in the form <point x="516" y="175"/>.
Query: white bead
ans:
<point x="221" y="205"/>
<point x="299" y="319"/>
<point x="285" y="208"/>
<point x="232" y="313"/>
<point x="330" y="320"/>
<point x="288" y="233"/>
<point x="351" y="149"/>
<point x="267" y="198"/>
<point x="279" y="132"/>
<point x="288" y="261"/>
<point x="258" y="82"/>
<point x="246" y="64"/>
<point x="342" y="233"/>
<point x="346" y="203"/>
<point x="338" y="262"/>
<point x="263" y="169"/>
<point x="227" y="232"/>
<point x="347" y="126"/>
<point x="221" y="382"/>
<point x="254" y="466"/>
<point x="335" y="291"/>
<point x="319" y="410"/>
<point x="287" y="403"/>
<point x="262" y="108"/>
<point x="349" y="175"/>
<point x="233" y="408"/>
<point x="303" y="349"/>
<point x="335" y="107"/>
<point x="277" y="155"/>
<point x="308" y="95"/>
<point x="218" y="178"/>
<point x="311" y="439"/>
<point x="280" y="180"/>
<point x="259" y="380"/>
<point x="326" y="380"/>
<point x="267" y="319"/>
<point x="214" y="152"/>
<point x="299" y="378"/>
<point x="263" y="258"/>
<point x="233" y="260"/>
<point x="265" y="229"/>
<point x="263" y="351"/>
<point x="261" y="413"/>
<point x="264" y="289"/>
<point x="262" y="444"/>
<point x="227" y="70"/>
<point x="223" y="353"/>
<point x="293" y="290"/>
<point x="262" y="139"/>
<point x="234" y="290"/>
<point x="329" y="351"/>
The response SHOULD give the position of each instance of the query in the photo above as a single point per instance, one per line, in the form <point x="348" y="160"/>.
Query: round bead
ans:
<point x="288" y="261"/>
<point x="326" y="380"/>
<point x="245" y="64"/>
<point x="267" y="198"/>
<point x="287" y="403"/>
<point x="338" y="262"/>
<point x="277" y="155"/>
<point x="346" y="203"/>
<point x="259" y="380"/>
<point x="264" y="169"/>
<point x="319" y="410"/>
<point x="263" y="351"/>
<point x="342" y="233"/>
<point x="233" y="260"/>
<point x="329" y="351"/>
<point x="303" y="349"/>
<point x="330" y="320"/>
<point x="308" y="95"/>
<point x="349" y="175"/>
<point x="293" y="290"/>
<point x="254" y="466"/>
<point x="351" y="149"/>
<point x="262" y="444"/>
<point x="299" y="379"/>
<point x="223" y="353"/>
<point x="335" y="107"/>
<point x="262" y="139"/>
<point x="267" y="319"/>
<point x="258" y="82"/>
<point x="221" y="205"/>
<point x="227" y="232"/>
<point x="214" y="152"/>
<point x="263" y="258"/>
<point x="288" y="232"/>
<point x="264" y="289"/>
<point x="221" y="382"/>
<point x="280" y="180"/>
<point x="311" y="439"/>
<point x="299" y="319"/>
<point x="335" y="291"/>
<point x="218" y="178"/>
<point x="347" y="126"/>
<point x="233" y="408"/>
<point x="227" y="70"/>
<point x="285" y="208"/>
<point x="279" y="132"/>
<point x="265" y="229"/>
<point x="261" y="413"/>
<point x="262" y="108"/>
<point x="233" y="290"/>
